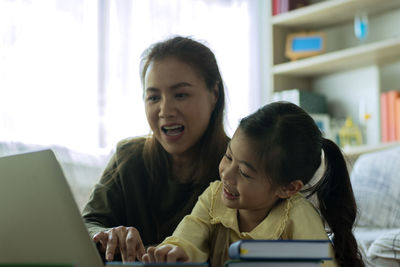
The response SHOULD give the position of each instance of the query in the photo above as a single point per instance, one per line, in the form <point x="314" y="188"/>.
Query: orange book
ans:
<point x="384" y="118"/>
<point x="397" y="117"/>
<point x="391" y="100"/>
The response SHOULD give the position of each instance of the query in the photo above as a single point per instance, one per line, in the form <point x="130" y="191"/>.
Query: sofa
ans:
<point x="82" y="170"/>
<point x="375" y="179"/>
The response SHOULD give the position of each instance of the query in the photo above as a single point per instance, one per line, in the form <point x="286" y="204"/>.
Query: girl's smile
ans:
<point x="228" y="194"/>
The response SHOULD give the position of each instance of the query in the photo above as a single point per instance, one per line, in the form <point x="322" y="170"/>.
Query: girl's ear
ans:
<point x="291" y="189"/>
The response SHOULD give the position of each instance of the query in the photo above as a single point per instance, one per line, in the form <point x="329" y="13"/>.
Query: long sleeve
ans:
<point x="127" y="198"/>
<point x="105" y="207"/>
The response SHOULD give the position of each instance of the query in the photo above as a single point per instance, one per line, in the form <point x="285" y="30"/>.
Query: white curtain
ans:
<point x="69" y="69"/>
<point x="48" y="72"/>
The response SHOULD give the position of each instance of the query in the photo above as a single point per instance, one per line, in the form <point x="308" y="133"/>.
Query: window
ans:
<point x="70" y="69"/>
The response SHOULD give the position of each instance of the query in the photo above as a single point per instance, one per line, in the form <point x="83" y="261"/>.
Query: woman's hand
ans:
<point x="165" y="253"/>
<point x="126" y="239"/>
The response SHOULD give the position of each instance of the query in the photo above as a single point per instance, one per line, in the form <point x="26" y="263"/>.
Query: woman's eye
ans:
<point x="181" y="95"/>
<point x="152" y="98"/>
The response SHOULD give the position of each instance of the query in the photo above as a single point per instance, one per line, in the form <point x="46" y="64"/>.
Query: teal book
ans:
<point x="314" y="250"/>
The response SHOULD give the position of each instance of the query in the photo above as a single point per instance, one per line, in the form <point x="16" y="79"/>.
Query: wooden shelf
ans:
<point x="331" y="12"/>
<point x="374" y="53"/>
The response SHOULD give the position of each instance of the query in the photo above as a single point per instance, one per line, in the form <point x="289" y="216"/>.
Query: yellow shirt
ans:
<point x="294" y="218"/>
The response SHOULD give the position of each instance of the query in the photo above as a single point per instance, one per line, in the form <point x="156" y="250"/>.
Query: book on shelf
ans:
<point x="392" y="96"/>
<point x="242" y="263"/>
<point x="282" y="6"/>
<point x="311" y="102"/>
<point x="384" y="118"/>
<point x="275" y="7"/>
<point x="314" y="250"/>
<point x="397" y="117"/>
<point x="390" y="116"/>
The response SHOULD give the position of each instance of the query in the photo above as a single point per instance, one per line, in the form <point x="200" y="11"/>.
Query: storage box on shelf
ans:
<point x="350" y="72"/>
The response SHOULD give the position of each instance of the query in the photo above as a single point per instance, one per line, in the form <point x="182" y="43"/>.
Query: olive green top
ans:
<point x="131" y="199"/>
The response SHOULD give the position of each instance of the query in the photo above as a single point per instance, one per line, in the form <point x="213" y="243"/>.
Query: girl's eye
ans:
<point x="244" y="174"/>
<point x="228" y="157"/>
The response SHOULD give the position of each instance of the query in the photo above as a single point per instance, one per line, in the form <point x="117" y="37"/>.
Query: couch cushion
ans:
<point x="385" y="250"/>
<point x="376" y="183"/>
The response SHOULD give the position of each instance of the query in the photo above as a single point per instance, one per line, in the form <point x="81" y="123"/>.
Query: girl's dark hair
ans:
<point x="289" y="144"/>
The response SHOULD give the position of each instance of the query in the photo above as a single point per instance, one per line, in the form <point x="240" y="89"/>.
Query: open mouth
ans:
<point x="173" y="130"/>
<point x="227" y="192"/>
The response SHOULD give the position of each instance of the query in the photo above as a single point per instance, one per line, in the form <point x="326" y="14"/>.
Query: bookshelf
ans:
<point x="350" y="71"/>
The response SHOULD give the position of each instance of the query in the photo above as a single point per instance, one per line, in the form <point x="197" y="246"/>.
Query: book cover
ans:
<point x="397" y="117"/>
<point x="384" y="118"/>
<point x="288" y="5"/>
<point x="280" y="249"/>
<point x="241" y="263"/>
<point x="284" y="6"/>
<point x="275" y="7"/>
<point x="391" y="100"/>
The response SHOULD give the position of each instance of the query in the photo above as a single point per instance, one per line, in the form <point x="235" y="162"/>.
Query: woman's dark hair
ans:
<point x="290" y="145"/>
<point x="211" y="147"/>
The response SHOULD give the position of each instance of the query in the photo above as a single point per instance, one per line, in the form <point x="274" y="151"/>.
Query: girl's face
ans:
<point x="178" y="104"/>
<point x="245" y="186"/>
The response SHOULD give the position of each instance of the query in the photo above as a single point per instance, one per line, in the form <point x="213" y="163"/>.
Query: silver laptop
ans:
<point x="39" y="219"/>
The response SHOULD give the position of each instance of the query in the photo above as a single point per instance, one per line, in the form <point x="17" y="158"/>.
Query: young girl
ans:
<point x="272" y="155"/>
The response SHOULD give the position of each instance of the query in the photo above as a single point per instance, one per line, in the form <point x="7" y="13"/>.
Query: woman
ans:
<point x="151" y="183"/>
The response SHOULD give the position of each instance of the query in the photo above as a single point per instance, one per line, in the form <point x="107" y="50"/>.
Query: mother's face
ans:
<point x="178" y="104"/>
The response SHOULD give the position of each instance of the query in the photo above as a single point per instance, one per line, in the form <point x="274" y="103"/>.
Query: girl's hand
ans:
<point x="121" y="239"/>
<point x="165" y="253"/>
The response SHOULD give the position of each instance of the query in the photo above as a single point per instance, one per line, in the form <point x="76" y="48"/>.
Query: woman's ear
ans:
<point x="291" y="189"/>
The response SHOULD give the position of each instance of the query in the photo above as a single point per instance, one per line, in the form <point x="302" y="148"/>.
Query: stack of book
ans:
<point x="278" y="253"/>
